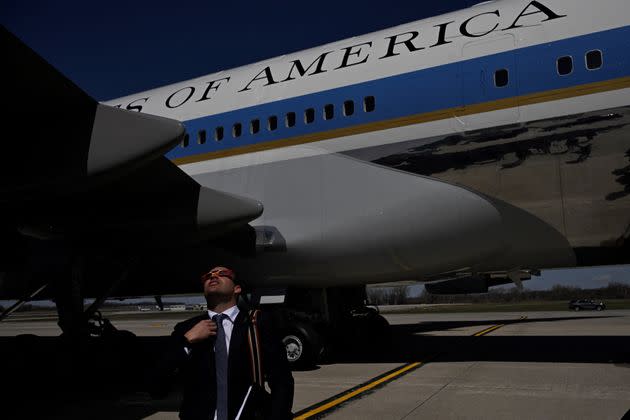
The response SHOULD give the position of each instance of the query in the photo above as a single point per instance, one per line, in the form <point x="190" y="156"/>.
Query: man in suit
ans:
<point x="211" y="352"/>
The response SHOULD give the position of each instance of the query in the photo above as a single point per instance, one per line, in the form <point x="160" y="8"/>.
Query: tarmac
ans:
<point x="536" y="365"/>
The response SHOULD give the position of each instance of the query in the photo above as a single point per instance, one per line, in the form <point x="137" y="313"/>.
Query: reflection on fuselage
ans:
<point x="572" y="172"/>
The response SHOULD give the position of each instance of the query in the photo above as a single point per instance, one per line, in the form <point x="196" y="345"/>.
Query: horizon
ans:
<point x="593" y="279"/>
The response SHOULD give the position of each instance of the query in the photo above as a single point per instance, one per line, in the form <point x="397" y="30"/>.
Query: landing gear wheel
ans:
<point x="372" y="333"/>
<point x="302" y="348"/>
<point x="294" y="346"/>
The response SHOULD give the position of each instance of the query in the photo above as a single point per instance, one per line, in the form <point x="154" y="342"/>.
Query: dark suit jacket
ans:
<point x="198" y="369"/>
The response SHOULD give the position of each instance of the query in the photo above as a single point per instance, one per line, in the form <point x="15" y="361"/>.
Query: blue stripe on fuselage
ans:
<point x="422" y="91"/>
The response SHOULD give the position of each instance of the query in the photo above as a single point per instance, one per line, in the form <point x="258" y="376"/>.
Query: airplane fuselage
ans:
<point x="490" y="139"/>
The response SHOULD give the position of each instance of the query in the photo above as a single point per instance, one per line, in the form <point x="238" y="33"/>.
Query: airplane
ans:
<point x="465" y="150"/>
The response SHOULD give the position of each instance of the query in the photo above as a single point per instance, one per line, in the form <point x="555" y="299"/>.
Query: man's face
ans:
<point x="219" y="283"/>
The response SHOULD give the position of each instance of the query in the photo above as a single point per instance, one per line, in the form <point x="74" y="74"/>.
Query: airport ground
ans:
<point x="517" y="365"/>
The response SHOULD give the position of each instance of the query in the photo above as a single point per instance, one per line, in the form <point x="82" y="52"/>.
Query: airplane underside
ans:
<point x="572" y="172"/>
<point x="543" y="194"/>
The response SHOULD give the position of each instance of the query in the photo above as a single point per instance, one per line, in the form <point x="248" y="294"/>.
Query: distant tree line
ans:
<point x="397" y="295"/>
<point x="107" y="304"/>
<point x="394" y="295"/>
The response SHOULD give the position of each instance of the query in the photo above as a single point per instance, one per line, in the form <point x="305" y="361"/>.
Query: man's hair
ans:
<point x="238" y="280"/>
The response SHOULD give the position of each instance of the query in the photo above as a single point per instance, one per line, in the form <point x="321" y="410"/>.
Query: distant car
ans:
<point x="580" y="304"/>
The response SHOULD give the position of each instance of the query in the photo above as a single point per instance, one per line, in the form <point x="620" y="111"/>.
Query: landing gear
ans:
<point x="333" y="322"/>
<point x="295" y="347"/>
<point x="17" y="305"/>
<point x="159" y="303"/>
<point x="98" y="326"/>
<point x="69" y="302"/>
<point x="304" y="346"/>
<point x="74" y="320"/>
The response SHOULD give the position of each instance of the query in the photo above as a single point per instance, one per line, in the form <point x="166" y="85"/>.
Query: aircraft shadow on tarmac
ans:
<point x="61" y="378"/>
<point x="408" y="344"/>
<point x="53" y="377"/>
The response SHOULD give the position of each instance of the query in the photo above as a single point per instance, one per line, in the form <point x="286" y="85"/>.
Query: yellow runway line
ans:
<point x="335" y="401"/>
<point x="496" y="327"/>
<point x="352" y="393"/>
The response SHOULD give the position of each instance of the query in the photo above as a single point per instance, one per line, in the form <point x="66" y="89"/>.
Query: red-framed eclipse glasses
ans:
<point x="224" y="272"/>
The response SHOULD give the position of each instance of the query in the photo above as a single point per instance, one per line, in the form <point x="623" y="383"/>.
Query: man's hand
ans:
<point x="201" y="331"/>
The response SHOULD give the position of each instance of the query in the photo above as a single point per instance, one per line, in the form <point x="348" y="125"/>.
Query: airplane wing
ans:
<point x="91" y="175"/>
<point x="58" y="140"/>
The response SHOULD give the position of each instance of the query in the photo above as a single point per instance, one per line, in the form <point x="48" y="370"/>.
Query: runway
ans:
<point x="445" y="387"/>
<point x="533" y="365"/>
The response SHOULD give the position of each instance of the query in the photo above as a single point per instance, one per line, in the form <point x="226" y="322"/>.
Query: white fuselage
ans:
<point x="387" y="156"/>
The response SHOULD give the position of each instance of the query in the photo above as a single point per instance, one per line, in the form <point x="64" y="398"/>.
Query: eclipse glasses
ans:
<point x="223" y="272"/>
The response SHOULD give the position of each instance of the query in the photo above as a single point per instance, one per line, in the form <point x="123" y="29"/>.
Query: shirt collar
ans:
<point x="232" y="313"/>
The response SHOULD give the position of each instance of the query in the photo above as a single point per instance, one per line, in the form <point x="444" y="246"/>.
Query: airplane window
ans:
<point x="218" y="133"/>
<point x="236" y="130"/>
<point x="201" y="137"/>
<point x="185" y="141"/>
<point x="329" y="111"/>
<point x="594" y="60"/>
<point x="290" y="120"/>
<point x="254" y="126"/>
<point x="565" y="65"/>
<point x="501" y="78"/>
<point x="369" y="104"/>
<point x="348" y="108"/>
<point x="309" y="115"/>
<point x="272" y="123"/>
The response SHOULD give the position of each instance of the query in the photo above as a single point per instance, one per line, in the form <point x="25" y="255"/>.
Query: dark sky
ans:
<point x="114" y="48"/>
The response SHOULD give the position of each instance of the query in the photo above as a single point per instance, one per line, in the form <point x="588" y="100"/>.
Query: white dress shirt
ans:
<point x="228" y="325"/>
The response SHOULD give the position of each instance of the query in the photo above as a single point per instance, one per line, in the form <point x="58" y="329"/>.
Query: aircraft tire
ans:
<point x="302" y="346"/>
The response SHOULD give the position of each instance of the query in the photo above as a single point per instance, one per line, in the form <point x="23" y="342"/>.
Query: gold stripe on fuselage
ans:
<point x="531" y="99"/>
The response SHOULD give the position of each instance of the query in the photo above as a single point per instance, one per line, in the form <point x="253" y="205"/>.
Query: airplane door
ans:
<point x="489" y="84"/>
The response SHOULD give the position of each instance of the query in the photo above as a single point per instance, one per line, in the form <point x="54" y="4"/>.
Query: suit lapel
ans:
<point x="238" y="347"/>
<point x="205" y="349"/>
